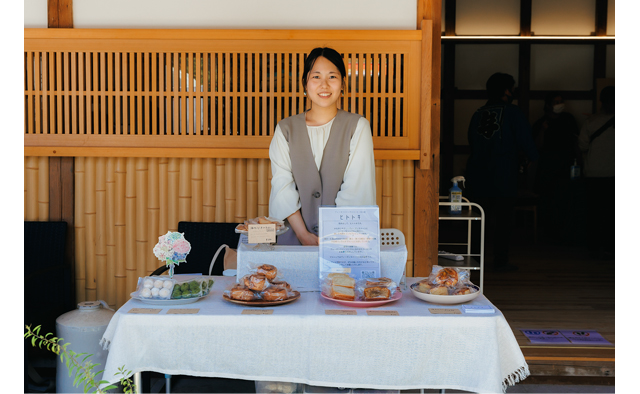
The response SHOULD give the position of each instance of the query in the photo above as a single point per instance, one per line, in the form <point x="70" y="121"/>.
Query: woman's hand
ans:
<point x="298" y="226"/>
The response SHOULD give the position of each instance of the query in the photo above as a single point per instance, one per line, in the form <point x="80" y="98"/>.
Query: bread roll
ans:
<point x="375" y="293"/>
<point x="462" y="291"/>
<point x="281" y="283"/>
<point x="269" y="271"/>
<point x="447" y="277"/>
<point x="440" y="290"/>
<point x="274" y="293"/>
<point x="242" y="293"/>
<point x="423" y="286"/>
<point x="256" y="282"/>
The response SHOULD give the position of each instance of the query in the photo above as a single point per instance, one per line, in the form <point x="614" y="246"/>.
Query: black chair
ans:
<point x="205" y="239"/>
<point x="48" y="293"/>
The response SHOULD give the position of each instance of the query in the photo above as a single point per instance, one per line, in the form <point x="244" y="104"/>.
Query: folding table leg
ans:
<point x="167" y="385"/>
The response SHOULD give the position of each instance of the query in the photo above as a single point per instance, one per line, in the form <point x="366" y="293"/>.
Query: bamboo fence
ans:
<point x="122" y="206"/>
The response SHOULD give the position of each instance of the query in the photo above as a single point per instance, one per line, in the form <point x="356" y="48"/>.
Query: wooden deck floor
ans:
<point x="559" y="287"/>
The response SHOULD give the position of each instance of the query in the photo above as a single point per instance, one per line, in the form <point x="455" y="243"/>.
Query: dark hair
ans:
<point x="608" y="95"/>
<point x="497" y="84"/>
<point x="550" y="96"/>
<point x="328" y="53"/>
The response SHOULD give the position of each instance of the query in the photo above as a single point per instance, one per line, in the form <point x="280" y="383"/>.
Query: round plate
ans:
<point x="295" y="296"/>
<point x="445" y="299"/>
<point x="178" y="301"/>
<point x="365" y="304"/>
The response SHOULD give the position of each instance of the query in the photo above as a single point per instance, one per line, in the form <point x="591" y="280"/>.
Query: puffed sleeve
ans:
<point x="359" y="181"/>
<point x="284" y="199"/>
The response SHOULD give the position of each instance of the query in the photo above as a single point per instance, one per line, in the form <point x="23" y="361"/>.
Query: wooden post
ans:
<point x="61" y="172"/>
<point x="427" y="180"/>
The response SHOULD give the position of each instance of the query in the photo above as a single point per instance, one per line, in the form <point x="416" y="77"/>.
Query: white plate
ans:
<point x="444" y="299"/>
<point x="178" y="301"/>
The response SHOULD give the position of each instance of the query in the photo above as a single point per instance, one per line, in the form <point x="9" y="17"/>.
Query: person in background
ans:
<point x="555" y="134"/>
<point x="497" y="133"/>
<point x="597" y="143"/>
<point x="323" y="156"/>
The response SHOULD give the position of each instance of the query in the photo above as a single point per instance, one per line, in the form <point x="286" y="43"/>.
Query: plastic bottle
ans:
<point x="455" y="195"/>
<point x="575" y="170"/>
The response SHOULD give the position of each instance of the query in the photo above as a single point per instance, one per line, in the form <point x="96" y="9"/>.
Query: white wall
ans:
<point x="234" y="14"/>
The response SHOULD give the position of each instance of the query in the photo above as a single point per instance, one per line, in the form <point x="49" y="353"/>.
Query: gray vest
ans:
<point x="317" y="187"/>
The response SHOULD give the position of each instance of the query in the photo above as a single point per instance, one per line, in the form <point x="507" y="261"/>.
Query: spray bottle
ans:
<point x="455" y="195"/>
<point x="575" y="170"/>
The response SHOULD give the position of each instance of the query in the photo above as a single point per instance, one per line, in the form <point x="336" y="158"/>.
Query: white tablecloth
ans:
<point x="299" y="264"/>
<point x="300" y="343"/>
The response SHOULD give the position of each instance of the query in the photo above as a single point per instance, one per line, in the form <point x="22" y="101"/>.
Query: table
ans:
<point x="299" y="264"/>
<point x="300" y="343"/>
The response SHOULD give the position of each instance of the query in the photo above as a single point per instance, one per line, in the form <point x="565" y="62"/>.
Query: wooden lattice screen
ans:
<point x="120" y="90"/>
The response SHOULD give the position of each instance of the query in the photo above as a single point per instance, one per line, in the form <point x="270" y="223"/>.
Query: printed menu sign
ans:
<point x="349" y="241"/>
<point x="575" y="337"/>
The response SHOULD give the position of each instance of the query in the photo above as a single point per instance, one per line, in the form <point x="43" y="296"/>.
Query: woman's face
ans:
<point x="324" y="83"/>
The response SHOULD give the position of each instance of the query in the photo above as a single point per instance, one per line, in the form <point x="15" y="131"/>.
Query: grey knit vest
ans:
<point x="317" y="187"/>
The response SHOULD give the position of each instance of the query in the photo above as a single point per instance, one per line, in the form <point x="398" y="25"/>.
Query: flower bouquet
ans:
<point x="173" y="249"/>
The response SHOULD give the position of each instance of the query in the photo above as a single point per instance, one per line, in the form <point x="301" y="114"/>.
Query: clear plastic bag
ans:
<point x="262" y="283"/>
<point x="194" y="287"/>
<point x="446" y="281"/>
<point x="154" y="287"/>
<point x="375" y="289"/>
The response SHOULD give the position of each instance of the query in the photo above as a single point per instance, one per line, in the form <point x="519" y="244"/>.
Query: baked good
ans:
<point x="256" y="282"/>
<point x="375" y="293"/>
<point x="439" y="290"/>
<point x="281" y="283"/>
<point x="269" y="271"/>
<point x="242" y="293"/>
<point x="447" y="277"/>
<point x="378" y="282"/>
<point x="423" y="286"/>
<point x="242" y="227"/>
<point x="342" y="293"/>
<point x="339" y="279"/>
<point x="274" y="293"/>
<point x="462" y="291"/>
<point x="263" y="220"/>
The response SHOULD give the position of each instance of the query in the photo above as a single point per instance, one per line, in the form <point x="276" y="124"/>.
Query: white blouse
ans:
<point x="359" y="180"/>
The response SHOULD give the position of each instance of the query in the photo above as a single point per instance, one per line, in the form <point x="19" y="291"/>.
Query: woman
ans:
<point x="323" y="156"/>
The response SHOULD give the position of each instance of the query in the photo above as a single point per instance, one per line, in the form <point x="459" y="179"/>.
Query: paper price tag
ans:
<point x="183" y="311"/>
<point x="383" y="313"/>
<point x="262" y="233"/>
<point x="340" y="312"/>
<point x="150" y="311"/>
<point x="445" y="311"/>
<point x="257" y="311"/>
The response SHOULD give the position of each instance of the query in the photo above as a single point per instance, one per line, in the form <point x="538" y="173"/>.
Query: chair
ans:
<point x="48" y="293"/>
<point x="391" y="237"/>
<point x="205" y="239"/>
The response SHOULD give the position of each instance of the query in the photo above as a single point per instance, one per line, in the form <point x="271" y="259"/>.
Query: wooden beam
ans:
<point x="61" y="177"/>
<point x="426" y="181"/>
<point x="60" y="13"/>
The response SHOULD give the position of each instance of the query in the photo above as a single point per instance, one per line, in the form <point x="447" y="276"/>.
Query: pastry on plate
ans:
<point x="376" y="293"/>
<point x="256" y="282"/>
<point x="339" y="279"/>
<point x="242" y="293"/>
<point x="274" y="293"/>
<point x="342" y="293"/>
<point x="424" y="286"/>
<point x="281" y="283"/>
<point x="269" y="271"/>
<point x="447" y="277"/>
<point x="439" y="290"/>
